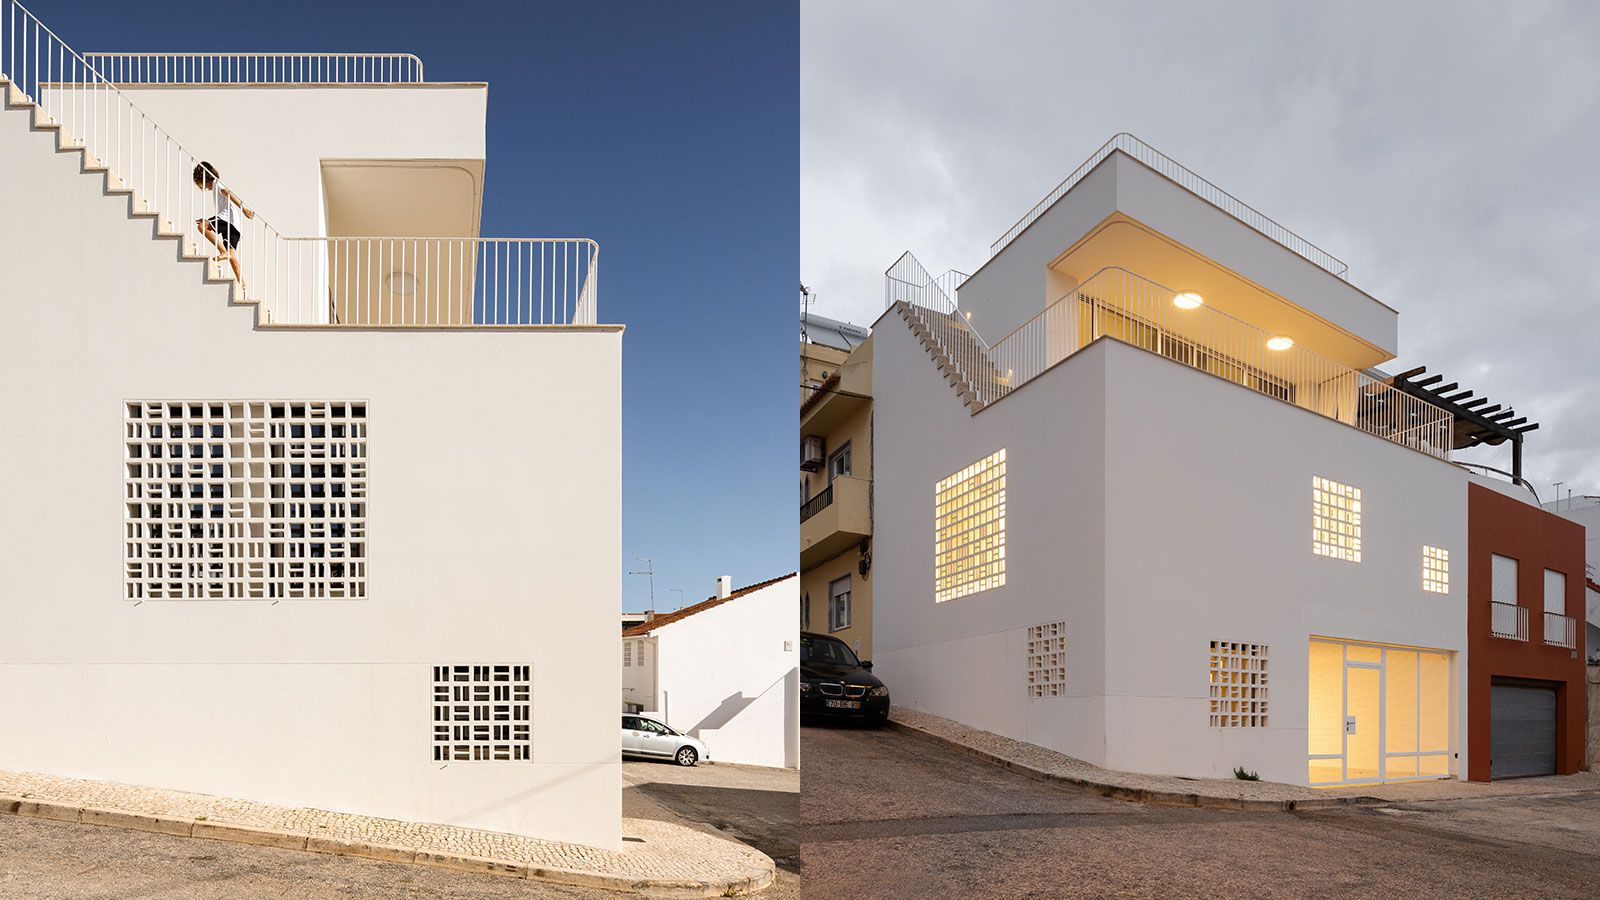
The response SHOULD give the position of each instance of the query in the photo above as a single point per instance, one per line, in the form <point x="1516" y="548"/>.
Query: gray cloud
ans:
<point x="1446" y="151"/>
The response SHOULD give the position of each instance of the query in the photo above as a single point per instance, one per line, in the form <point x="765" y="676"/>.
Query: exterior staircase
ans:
<point x="916" y="318"/>
<point x="189" y="249"/>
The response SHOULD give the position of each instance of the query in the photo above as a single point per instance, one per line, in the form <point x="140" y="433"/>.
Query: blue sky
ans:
<point x="669" y="132"/>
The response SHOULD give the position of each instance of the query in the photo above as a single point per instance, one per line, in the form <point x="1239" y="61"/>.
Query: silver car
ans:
<point x="647" y="737"/>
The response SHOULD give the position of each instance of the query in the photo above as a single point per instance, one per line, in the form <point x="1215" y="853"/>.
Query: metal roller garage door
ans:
<point x="1522" y="731"/>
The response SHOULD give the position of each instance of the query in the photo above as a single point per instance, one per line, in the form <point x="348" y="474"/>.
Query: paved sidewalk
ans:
<point x="659" y="858"/>
<point x="1212" y="792"/>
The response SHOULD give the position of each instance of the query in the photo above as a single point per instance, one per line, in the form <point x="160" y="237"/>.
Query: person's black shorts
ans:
<point x="225" y="231"/>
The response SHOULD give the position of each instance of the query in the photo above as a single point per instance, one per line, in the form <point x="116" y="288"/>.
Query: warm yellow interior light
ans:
<point x="1279" y="343"/>
<point x="1188" y="300"/>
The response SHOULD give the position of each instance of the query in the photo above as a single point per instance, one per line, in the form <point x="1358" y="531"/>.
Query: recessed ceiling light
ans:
<point x="1188" y="300"/>
<point x="403" y="284"/>
<point x="1279" y="342"/>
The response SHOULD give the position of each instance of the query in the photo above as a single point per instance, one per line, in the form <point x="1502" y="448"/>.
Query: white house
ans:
<point x="344" y="536"/>
<point x="725" y="670"/>
<point x="1141" y="497"/>
<point x="1585" y="511"/>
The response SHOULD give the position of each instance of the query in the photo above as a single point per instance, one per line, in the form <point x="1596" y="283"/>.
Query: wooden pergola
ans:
<point x="1476" y="420"/>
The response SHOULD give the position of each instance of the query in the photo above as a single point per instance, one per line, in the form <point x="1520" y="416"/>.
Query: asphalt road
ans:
<point x="60" y="861"/>
<point x="887" y="814"/>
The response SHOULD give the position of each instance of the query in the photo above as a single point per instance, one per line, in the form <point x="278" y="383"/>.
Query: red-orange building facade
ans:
<point x="1525" y="669"/>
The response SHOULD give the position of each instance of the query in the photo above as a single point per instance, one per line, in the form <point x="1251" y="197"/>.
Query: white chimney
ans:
<point x="724" y="586"/>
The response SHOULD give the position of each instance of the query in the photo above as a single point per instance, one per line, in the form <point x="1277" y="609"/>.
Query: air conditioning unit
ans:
<point x="811" y="455"/>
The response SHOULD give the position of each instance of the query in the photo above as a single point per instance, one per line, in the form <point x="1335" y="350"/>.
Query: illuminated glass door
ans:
<point x="1363" y="722"/>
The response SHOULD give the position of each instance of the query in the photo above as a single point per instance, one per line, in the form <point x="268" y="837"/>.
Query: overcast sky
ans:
<point x="1448" y="152"/>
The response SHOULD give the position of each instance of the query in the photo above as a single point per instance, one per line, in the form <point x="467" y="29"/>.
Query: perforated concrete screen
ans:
<point x="1238" y="685"/>
<point x="1335" y="519"/>
<point x="1047" y="660"/>
<point x="970" y="529"/>
<point x="1435" y="569"/>
<point x="482" y="713"/>
<point x="245" y="499"/>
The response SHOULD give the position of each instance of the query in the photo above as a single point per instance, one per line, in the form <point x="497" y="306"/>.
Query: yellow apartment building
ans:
<point x="836" y="481"/>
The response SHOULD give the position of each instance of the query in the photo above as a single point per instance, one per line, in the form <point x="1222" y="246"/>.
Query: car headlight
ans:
<point x="879" y="691"/>
<point x="805" y="687"/>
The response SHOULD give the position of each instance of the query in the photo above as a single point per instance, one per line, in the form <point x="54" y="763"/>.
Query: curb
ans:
<point x="1146" y="796"/>
<point x="286" y="840"/>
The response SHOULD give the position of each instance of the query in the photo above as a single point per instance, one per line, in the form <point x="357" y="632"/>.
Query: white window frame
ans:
<point x="843" y="453"/>
<point x="1499" y="567"/>
<point x="1555" y="604"/>
<point x="839" y="602"/>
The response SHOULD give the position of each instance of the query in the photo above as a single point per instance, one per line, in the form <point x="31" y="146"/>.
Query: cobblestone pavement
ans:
<point x="1052" y="763"/>
<point x="758" y="806"/>
<point x="656" y="848"/>
<point x="891" y="814"/>
<point x="43" y="860"/>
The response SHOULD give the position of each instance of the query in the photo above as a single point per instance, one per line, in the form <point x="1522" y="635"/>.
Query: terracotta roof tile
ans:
<point x="702" y="606"/>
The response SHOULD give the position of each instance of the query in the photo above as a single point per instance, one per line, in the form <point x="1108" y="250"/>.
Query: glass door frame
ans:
<point x="1382" y="668"/>
<point x="1384" y="755"/>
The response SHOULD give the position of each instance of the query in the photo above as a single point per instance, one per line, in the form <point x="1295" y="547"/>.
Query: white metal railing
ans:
<point x="297" y="280"/>
<point x="257" y="68"/>
<point x="1132" y="309"/>
<point x="1560" y="630"/>
<point x="931" y="301"/>
<point x="1187" y="179"/>
<point x="1508" y="620"/>
<point x="370" y="281"/>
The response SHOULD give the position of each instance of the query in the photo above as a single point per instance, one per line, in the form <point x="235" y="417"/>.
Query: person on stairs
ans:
<point x="223" y="228"/>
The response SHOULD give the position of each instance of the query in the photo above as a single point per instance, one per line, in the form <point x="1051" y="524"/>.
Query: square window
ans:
<point x="1335" y="519"/>
<point x="1435" y="569"/>
<point x="969" y="515"/>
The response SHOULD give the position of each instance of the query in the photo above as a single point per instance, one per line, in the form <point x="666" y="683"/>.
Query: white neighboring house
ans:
<point x="1585" y="511"/>
<point x="725" y="670"/>
<point x="344" y="538"/>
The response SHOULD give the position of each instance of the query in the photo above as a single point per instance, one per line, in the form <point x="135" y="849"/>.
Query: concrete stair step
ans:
<point x="16" y="98"/>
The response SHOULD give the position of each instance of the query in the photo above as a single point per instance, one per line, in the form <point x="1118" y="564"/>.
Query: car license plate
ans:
<point x="842" y="704"/>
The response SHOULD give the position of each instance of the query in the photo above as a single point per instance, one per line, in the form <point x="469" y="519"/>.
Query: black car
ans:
<point x="834" y="683"/>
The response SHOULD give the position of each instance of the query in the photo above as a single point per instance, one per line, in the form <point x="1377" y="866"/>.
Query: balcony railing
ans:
<point x="1191" y="182"/>
<point x="257" y="68"/>
<point x="1560" y="630"/>
<point x="441" y="282"/>
<point x="817" y="504"/>
<point x="1118" y="304"/>
<point x="1508" y="620"/>
<point x="360" y="281"/>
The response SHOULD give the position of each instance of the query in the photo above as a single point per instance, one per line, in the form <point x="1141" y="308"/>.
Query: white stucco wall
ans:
<point x="269" y="141"/>
<point x="1014" y="285"/>
<point x="1153" y="508"/>
<point x="1208" y="527"/>
<point x="493" y="535"/>
<point x="730" y="675"/>
<point x="963" y="658"/>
